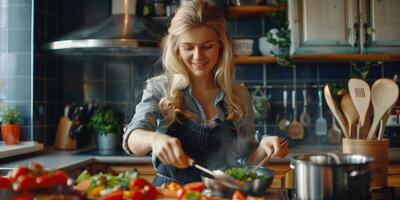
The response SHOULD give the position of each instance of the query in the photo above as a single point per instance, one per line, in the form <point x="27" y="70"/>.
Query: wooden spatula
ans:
<point x="334" y="107"/>
<point x="295" y="130"/>
<point x="360" y="93"/>
<point x="384" y="94"/>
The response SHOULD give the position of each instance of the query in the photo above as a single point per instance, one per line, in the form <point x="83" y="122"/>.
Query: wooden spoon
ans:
<point x="350" y="111"/>
<point x="361" y="95"/>
<point x="384" y="94"/>
<point x="334" y="107"/>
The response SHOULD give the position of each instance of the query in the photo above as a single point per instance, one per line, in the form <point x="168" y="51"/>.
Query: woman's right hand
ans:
<point x="169" y="150"/>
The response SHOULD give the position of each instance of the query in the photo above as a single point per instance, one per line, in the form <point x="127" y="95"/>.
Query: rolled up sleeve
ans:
<point x="246" y="141"/>
<point x="146" y="113"/>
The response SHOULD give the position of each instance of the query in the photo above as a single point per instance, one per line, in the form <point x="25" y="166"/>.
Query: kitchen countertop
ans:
<point x="58" y="159"/>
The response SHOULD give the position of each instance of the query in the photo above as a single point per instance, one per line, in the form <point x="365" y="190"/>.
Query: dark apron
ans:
<point x="210" y="147"/>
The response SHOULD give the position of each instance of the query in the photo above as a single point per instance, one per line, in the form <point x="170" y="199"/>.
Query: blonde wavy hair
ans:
<point x="195" y="13"/>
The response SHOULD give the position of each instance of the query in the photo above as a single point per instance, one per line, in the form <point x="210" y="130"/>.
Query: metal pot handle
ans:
<point x="291" y="165"/>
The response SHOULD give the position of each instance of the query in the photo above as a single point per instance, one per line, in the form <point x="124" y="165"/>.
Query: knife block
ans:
<point x="63" y="141"/>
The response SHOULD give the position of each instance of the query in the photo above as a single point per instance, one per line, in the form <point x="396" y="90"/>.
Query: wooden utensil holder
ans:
<point x="375" y="148"/>
<point x="63" y="141"/>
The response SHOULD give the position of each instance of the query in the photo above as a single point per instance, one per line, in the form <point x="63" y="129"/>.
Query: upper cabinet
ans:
<point x="343" y="26"/>
<point x="384" y="17"/>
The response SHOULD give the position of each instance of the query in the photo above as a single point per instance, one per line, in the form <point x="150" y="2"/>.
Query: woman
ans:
<point x="193" y="111"/>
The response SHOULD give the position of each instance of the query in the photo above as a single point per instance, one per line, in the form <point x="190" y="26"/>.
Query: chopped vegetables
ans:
<point x="243" y="174"/>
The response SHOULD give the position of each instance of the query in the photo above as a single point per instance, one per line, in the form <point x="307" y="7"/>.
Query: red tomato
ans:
<point x="150" y="192"/>
<point x="195" y="186"/>
<point x="238" y="196"/>
<point x="24" y="182"/>
<point x="4" y="182"/>
<point x="138" y="183"/>
<point x="61" y="178"/>
<point x="118" y="195"/>
<point x="137" y="195"/>
<point x="19" y="171"/>
<point x="45" y="181"/>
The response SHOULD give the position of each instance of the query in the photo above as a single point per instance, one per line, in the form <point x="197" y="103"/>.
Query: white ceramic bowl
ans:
<point x="243" y="47"/>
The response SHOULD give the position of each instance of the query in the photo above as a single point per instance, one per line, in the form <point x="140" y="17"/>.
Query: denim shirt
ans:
<point x="149" y="118"/>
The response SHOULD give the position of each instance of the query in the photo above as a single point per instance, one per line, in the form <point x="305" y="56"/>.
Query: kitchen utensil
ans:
<point x="320" y="124"/>
<point x="305" y="118"/>
<point x="360" y="93"/>
<point x="350" y="111"/>
<point x="269" y="155"/>
<point x="333" y="106"/>
<point x="384" y="94"/>
<point x="331" y="176"/>
<point x="334" y="133"/>
<point x="256" y="187"/>
<point x="295" y="129"/>
<point x="218" y="175"/>
<point x="382" y="124"/>
<point x="283" y="121"/>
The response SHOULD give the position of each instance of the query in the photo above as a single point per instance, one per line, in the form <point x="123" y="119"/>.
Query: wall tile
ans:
<point x="118" y="70"/>
<point x="93" y="91"/>
<point x="52" y="114"/>
<point x="52" y="90"/>
<point x="20" y="2"/>
<point x="19" y="41"/>
<point x="73" y="91"/>
<point x="39" y="90"/>
<point x="18" y="64"/>
<point x="18" y="88"/>
<point x="117" y="91"/>
<point x="19" y="17"/>
<point x="93" y="70"/>
<point x="39" y="68"/>
<point x="39" y="114"/>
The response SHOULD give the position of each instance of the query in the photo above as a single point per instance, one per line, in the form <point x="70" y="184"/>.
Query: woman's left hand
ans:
<point x="271" y="145"/>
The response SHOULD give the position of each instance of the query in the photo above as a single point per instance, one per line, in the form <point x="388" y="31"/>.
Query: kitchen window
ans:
<point x="16" y="70"/>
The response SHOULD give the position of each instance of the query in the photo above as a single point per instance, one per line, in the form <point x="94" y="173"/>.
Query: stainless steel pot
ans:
<point x="331" y="176"/>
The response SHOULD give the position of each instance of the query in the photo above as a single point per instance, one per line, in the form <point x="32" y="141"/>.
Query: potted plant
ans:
<point x="105" y="123"/>
<point x="10" y="128"/>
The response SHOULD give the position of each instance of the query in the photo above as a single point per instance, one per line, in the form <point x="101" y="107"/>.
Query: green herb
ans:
<point x="243" y="174"/>
<point x="192" y="195"/>
<point x="362" y="70"/>
<point x="104" y="121"/>
<point x="280" y="37"/>
<point x="10" y="115"/>
<point x="108" y="180"/>
<point x="83" y="176"/>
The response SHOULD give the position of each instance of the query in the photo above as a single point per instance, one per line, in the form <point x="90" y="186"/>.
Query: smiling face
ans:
<point x="199" y="49"/>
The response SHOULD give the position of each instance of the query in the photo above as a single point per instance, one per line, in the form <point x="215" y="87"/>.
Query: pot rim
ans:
<point x="297" y="160"/>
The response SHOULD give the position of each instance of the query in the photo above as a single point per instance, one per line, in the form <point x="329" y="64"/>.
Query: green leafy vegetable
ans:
<point x="243" y="174"/>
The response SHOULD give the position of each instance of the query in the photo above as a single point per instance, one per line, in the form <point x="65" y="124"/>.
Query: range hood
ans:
<point x="122" y="33"/>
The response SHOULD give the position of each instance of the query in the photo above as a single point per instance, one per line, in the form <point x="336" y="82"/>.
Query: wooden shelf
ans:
<point x="241" y="11"/>
<point x="320" y="58"/>
<point x="254" y="59"/>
